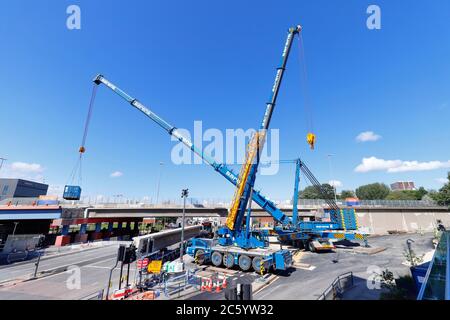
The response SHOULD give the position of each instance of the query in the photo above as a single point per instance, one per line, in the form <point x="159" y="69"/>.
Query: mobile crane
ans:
<point x="252" y="246"/>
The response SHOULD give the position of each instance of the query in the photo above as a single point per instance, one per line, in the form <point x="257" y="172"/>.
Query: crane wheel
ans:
<point x="256" y="264"/>
<point x="228" y="260"/>
<point x="200" y="256"/>
<point x="216" y="259"/>
<point x="245" y="263"/>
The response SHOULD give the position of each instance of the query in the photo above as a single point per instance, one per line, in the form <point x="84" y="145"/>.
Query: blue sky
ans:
<point x="215" y="61"/>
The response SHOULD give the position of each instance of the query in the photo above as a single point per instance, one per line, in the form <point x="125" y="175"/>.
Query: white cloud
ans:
<point x="26" y="167"/>
<point x="393" y="166"/>
<point x="23" y="170"/>
<point x="116" y="174"/>
<point x="442" y="180"/>
<point x="367" y="136"/>
<point x="335" y="183"/>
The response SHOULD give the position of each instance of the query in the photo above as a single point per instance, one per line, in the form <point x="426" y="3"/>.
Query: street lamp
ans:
<point x="334" y="184"/>
<point x="15" y="226"/>
<point x="159" y="181"/>
<point x="184" y="195"/>
<point x="1" y="162"/>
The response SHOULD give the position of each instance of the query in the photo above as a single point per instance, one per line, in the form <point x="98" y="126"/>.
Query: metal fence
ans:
<point x="98" y="295"/>
<point x="338" y="287"/>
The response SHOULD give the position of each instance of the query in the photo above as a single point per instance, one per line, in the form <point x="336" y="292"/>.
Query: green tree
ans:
<point x="402" y="195"/>
<point x="374" y="191"/>
<point x="443" y="196"/>
<point x="311" y="192"/>
<point x="346" y="194"/>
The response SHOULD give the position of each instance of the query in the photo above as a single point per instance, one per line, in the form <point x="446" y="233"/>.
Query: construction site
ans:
<point x="74" y="243"/>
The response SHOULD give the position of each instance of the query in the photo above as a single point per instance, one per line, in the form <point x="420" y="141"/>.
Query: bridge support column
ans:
<point x="82" y="235"/>
<point x="64" y="238"/>
<point x="119" y="231"/>
<point x="109" y="232"/>
<point x="97" y="235"/>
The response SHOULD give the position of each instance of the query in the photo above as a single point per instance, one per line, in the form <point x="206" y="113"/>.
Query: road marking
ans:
<point x="242" y="275"/>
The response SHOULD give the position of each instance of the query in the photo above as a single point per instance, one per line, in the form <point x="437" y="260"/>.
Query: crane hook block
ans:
<point x="82" y="149"/>
<point x="311" y="139"/>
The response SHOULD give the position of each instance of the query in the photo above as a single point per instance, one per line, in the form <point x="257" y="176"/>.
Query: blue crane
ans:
<point x="289" y="229"/>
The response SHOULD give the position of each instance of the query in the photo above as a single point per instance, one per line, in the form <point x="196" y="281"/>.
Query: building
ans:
<point x="18" y="188"/>
<point x="403" y="185"/>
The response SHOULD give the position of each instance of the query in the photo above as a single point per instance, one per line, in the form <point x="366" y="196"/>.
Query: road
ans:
<point x="89" y="273"/>
<point x="310" y="284"/>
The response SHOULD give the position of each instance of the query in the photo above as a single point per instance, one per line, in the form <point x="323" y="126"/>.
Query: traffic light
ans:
<point x="130" y="254"/>
<point x="121" y="253"/>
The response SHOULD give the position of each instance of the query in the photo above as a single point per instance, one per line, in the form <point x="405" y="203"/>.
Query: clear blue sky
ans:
<point x="215" y="61"/>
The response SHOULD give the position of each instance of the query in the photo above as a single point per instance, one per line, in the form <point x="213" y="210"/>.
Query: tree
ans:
<point x="311" y="192"/>
<point x="443" y="196"/>
<point x="402" y="195"/>
<point x="374" y="191"/>
<point x="347" y="194"/>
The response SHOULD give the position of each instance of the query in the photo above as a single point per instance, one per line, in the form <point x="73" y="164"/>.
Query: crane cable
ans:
<point x="310" y="137"/>
<point x="78" y="164"/>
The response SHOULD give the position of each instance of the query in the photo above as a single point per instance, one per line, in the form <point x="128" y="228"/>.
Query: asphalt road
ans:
<point x="89" y="274"/>
<point x="309" y="284"/>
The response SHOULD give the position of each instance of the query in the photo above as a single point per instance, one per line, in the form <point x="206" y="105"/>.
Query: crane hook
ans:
<point x="311" y="139"/>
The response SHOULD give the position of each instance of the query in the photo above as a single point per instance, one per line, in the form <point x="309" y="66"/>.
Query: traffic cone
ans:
<point x="224" y="283"/>
<point x="210" y="285"/>
<point x="202" y="288"/>
<point x="217" y="286"/>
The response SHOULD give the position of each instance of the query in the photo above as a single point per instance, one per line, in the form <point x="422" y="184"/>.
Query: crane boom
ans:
<point x="227" y="173"/>
<point x="250" y="165"/>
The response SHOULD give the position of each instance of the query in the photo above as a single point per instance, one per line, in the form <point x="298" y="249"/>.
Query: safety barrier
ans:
<point x="98" y="295"/>
<point x="338" y="287"/>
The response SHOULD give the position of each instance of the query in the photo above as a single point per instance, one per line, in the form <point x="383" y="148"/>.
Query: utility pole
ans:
<point x="184" y="195"/>
<point x="334" y="184"/>
<point x="159" y="181"/>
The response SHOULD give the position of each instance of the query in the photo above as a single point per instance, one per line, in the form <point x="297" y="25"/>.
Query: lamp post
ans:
<point x="159" y="182"/>
<point x="1" y="162"/>
<point x="334" y="184"/>
<point x="184" y="195"/>
<point x="15" y="227"/>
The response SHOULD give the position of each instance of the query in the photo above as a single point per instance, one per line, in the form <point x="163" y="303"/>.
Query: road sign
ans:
<point x="154" y="266"/>
<point x="142" y="263"/>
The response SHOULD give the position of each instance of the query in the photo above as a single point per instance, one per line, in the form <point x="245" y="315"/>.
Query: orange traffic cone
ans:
<point x="217" y="286"/>
<point x="210" y="285"/>
<point x="224" y="283"/>
<point x="202" y="288"/>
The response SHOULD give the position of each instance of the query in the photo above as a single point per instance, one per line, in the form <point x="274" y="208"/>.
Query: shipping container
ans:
<point x="72" y="193"/>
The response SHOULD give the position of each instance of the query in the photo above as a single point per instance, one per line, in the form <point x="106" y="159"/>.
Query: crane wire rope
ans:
<point x="78" y="164"/>
<point x="311" y="137"/>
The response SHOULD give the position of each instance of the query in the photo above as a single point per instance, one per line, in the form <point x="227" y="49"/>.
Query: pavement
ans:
<point x="304" y="284"/>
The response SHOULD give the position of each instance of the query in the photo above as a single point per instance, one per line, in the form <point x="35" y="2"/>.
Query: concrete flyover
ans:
<point x="376" y="219"/>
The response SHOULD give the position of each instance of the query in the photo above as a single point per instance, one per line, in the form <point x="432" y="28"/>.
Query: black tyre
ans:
<point x="311" y="246"/>
<point x="216" y="259"/>
<point x="256" y="264"/>
<point x="245" y="263"/>
<point x="228" y="260"/>
<point x="200" y="256"/>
